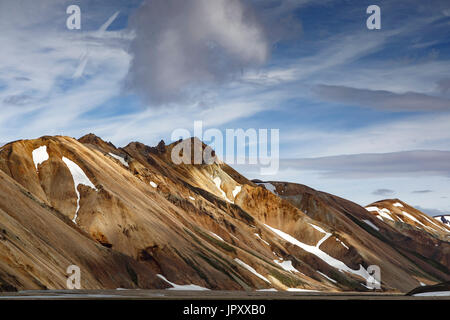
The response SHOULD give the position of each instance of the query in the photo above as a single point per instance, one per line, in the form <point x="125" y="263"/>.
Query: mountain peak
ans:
<point x="97" y="142"/>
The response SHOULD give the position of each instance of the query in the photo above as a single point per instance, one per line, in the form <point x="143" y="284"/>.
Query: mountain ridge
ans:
<point x="205" y="224"/>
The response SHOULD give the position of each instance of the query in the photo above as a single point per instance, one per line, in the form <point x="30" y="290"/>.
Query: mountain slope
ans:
<point x="38" y="243"/>
<point x="422" y="255"/>
<point x="201" y="224"/>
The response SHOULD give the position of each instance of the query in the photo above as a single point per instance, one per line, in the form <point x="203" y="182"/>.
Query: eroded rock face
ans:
<point x="125" y="215"/>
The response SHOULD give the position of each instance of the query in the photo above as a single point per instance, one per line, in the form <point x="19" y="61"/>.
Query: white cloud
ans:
<point x="37" y="63"/>
<point x="382" y="99"/>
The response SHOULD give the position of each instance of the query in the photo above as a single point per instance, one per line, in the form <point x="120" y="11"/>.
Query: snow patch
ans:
<point x="398" y="204"/>
<point x="79" y="177"/>
<point x="325" y="276"/>
<point x="121" y="159"/>
<point x="216" y="236"/>
<point x="218" y="182"/>
<point x="321" y="254"/>
<point x="371" y="224"/>
<point x="40" y="155"/>
<point x="327" y="235"/>
<point x="154" y="185"/>
<point x="300" y="290"/>
<point x="268" y="290"/>
<point x="433" y="294"/>
<point x="188" y="287"/>
<point x="259" y="237"/>
<point x="249" y="268"/>
<point x="385" y="213"/>
<point x="286" y="265"/>
<point x="236" y="190"/>
<point x="433" y="223"/>
<point x="411" y="217"/>
<point x="192" y="198"/>
<point x="342" y="243"/>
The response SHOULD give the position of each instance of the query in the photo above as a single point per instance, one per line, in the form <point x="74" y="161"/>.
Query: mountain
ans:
<point x="445" y="219"/>
<point x="393" y="247"/>
<point x="131" y="218"/>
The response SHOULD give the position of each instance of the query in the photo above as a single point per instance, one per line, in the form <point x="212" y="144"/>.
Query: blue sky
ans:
<point x="364" y="114"/>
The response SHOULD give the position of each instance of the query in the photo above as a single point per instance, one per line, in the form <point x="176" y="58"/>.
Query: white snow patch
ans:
<point x="433" y="223"/>
<point x="121" y="159"/>
<point x="249" y="268"/>
<point x="268" y="290"/>
<point x="433" y="294"/>
<point x="327" y="235"/>
<point x="371" y="224"/>
<point x="236" y="190"/>
<point x="411" y="217"/>
<point x="216" y="236"/>
<point x="321" y="254"/>
<point x="324" y="275"/>
<point x="79" y="177"/>
<point x="258" y="236"/>
<point x="154" y="185"/>
<point x="447" y="223"/>
<point x="385" y="213"/>
<point x="343" y="244"/>
<point x="40" y="155"/>
<point x="188" y="287"/>
<point x="300" y="290"/>
<point x="286" y="265"/>
<point x="218" y="182"/>
<point x="447" y="218"/>
<point x="192" y="198"/>
<point x="398" y="204"/>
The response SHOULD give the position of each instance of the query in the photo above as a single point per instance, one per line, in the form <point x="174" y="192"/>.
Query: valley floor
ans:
<point x="203" y="295"/>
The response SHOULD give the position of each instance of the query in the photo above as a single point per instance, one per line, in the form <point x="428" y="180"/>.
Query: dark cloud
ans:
<point x="183" y="45"/>
<point x="22" y="79"/>
<point x="383" y="192"/>
<point x="382" y="99"/>
<point x="422" y="191"/>
<point x="407" y="163"/>
<point x="18" y="100"/>
<point x="185" y="48"/>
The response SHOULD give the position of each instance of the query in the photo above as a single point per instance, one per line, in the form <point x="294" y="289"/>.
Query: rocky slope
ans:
<point x="130" y="217"/>
<point x="401" y="244"/>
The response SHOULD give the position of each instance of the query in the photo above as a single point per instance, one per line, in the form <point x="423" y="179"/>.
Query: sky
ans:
<point x="363" y="114"/>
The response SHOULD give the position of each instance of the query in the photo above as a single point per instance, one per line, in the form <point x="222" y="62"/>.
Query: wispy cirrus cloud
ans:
<point x="363" y="166"/>
<point x="382" y="99"/>
<point x="422" y="191"/>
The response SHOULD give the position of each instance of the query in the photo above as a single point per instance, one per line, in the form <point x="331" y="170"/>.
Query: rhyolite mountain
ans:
<point x="131" y="218"/>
